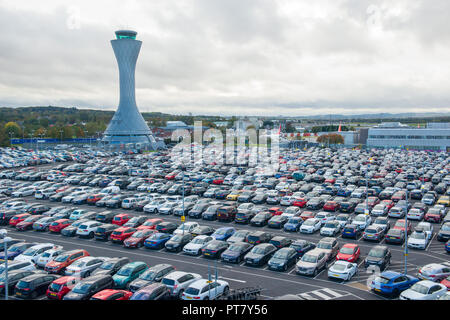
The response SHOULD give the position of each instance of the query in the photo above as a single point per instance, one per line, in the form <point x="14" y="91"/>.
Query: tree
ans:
<point x="40" y="132"/>
<point x="14" y="128"/>
<point x="332" y="138"/>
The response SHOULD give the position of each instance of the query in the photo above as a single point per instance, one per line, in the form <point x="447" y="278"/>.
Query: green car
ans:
<point x="128" y="273"/>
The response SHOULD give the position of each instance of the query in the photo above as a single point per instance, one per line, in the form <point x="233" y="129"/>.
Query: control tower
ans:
<point x="127" y="124"/>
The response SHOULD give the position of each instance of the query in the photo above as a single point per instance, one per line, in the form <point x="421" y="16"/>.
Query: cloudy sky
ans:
<point x="231" y="57"/>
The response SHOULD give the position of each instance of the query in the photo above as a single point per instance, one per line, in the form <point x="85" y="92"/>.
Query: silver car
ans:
<point x="312" y="262"/>
<point x="83" y="267"/>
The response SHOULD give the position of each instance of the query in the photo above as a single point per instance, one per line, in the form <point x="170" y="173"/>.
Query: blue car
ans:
<point x="351" y="231"/>
<point x="302" y="246"/>
<point x="293" y="224"/>
<point x="392" y="283"/>
<point x="343" y="193"/>
<point x="157" y="240"/>
<point x="223" y="233"/>
<point x="447" y="246"/>
<point x="15" y="250"/>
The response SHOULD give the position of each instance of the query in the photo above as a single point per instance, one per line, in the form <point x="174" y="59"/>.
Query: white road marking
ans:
<point x="231" y="279"/>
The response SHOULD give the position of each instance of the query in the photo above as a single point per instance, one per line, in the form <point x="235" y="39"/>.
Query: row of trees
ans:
<point x="332" y="138"/>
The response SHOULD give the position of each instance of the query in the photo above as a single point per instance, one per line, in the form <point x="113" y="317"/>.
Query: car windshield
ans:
<point x="382" y="280"/>
<point x="107" y="265"/>
<point x="339" y="267"/>
<point x="221" y="231"/>
<point x="176" y="238"/>
<point x="417" y="287"/>
<point x="281" y="254"/>
<point x="309" y="222"/>
<point x="258" y="250"/>
<point x="330" y="225"/>
<point x="198" y="241"/>
<point x="360" y="218"/>
<point x="446" y="227"/>
<point x="125" y="271"/>
<point x="376" y="253"/>
<point x="81" y="288"/>
<point x="236" y="247"/>
<point x="324" y="245"/>
<point x="309" y="258"/>
<point x="417" y="235"/>
<point x="347" y="250"/>
<point x="30" y="252"/>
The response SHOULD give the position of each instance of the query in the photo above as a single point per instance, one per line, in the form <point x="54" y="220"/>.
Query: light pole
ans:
<point x="6" y="239"/>
<point x="406" y="232"/>
<point x="61" y="132"/>
<point x="10" y="137"/>
<point x="184" y="216"/>
<point x="367" y="189"/>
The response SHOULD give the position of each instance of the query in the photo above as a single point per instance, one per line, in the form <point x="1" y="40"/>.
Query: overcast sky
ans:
<point x="231" y="57"/>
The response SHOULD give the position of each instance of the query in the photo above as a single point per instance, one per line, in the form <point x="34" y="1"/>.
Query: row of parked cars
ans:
<point x="47" y="269"/>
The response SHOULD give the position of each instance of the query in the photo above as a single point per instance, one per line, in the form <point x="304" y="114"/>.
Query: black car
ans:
<point x="395" y="236"/>
<point x="260" y="198"/>
<point x="14" y="277"/>
<point x="280" y="242"/>
<point x="214" y="248"/>
<point x="236" y="251"/>
<point x="283" y="259"/>
<point x="89" y="286"/>
<point x="260" y="254"/>
<point x="72" y="229"/>
<point x="261" y="219"/>
<point x="302" y="246"/>
<point x="444" y="233"/>
<point x="202" y="230"/>
<point x="258" y="237"/>
<point x="105" y="216"/>
<point x="347" y="206"/>
<point x="378" y="256"/>
<point x="277" y="222"/>
<point x="166" y="227"/>
<point x="197" y="210"/>
<point x="151" y="275"/>
<point x="38" y="209"/>
<point x="104" y="231"/>
<point x="34" y="285"/>
<point x="135" y="222"/>
<point x="111" y="266"/>
<point x="178" y="241"/>
<point x="115" y="202"/>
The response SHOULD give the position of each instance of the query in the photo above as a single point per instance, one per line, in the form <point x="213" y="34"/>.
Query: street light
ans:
<point x="6" y="239"/>
<point x="406" y="232"/>
<point x="184" y="216"/>
<point x="61" y="132"/>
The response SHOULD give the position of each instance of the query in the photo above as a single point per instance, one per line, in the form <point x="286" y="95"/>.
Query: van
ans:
<point x="110" y="190"/>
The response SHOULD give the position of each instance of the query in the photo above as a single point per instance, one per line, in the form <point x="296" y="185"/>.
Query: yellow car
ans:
<point x="445" y="200"/>
<point x="233" y="195"/>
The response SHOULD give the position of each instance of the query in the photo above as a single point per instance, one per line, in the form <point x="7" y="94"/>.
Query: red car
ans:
<point x="400" y="224"/>
<point x="217" y="181"/>
<point x="27" y="224"/>
<point x="137" y="239"/>
<point x="58" y="225"/>
<point x="389" y="203"/>
<point x="446" y="282"/>
<point x="399" y="195"/>
<point x="92" y="199"/>
<point x="300" y="202"/>
<point x="433" y="217"/>
<point x="112" y="294"/>
<point x="171" y="176"/>
<point x="331" y="206"/>
<point x="60" y="287"/>
<point x="373" y="201"/>
<point x="18" y="218"/>
<point x="275" y="211"/>
<point x="349" y="252"/>
<point x="120" y="219"/>
<point x="307" y="215"/>
<point x="330" y="180"/>
<point x="61" y="262"/>
<point x="122" y="233"/>
<point x="150" y="224"/>
<point x="62" y="189"/>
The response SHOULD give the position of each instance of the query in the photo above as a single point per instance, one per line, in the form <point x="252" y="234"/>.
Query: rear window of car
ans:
<point x="192" y="291"/>
<point x="23" y="284"/>
<point x="253" y="238"/>
<point x="168" y="282"/>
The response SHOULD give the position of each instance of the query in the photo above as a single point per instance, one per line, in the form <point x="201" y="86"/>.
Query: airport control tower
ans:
<point x="127" y="124"/>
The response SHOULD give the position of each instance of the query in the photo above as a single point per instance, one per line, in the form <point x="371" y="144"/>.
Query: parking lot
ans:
<point x="319" y="168"/>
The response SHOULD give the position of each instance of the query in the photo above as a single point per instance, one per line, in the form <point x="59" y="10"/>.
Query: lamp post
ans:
<point x="406" y="232"/>
<point x="61" y="132"/>
<point x="6" y="239"/>
<point x="184" y="216"/>
<point x="10" y="137"/>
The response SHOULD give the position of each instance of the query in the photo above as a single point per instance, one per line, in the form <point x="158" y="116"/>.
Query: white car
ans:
<point x="87" y="229"/>
<point x="69" y="198"/>
<point x="33" y="251"/>
<point x="415" y="214"/>
<point x="154" y="206"/>
<point x="167" y="208"/>
<point x="379" y="210"/>
<point x="325" y="216"/>
<point x="17" y="265"/>
<point x="330" y="228"/>
<point x="206" y="290"/>
<point x="24" y="192"/>
<point x="311" y="225"/>
<point x="239" y="236"/>
<point x="83" y="267"/>
<point x="196" y="245"/>
<point x="362" y="221"/>
<point x="425" y="227"/>
<point x="424" y="290"/>
<point x="128" y="203"/>
<point x="187" y="227"/>
<point x="342" y="270"/>
<point x="47" y="256"/>
<point x="418" y="240"/>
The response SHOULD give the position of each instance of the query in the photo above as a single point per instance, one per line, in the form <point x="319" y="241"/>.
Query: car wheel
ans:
<point x="226" y="290"/>
<point x="395" y="293"/>
<point x="180" y="294"/>
<point x="33" y="295"/>
<point x="91" y="234"/>
<point x="87" y="274"/>
<point x="315" y="272"/>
